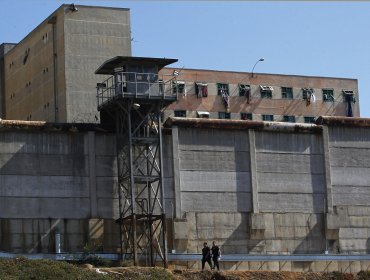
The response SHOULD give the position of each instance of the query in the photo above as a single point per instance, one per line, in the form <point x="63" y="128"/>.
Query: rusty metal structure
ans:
<point x="133" y="98"/>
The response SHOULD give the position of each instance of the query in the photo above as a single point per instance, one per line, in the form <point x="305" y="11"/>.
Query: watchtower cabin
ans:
<point x="132" y="99"/>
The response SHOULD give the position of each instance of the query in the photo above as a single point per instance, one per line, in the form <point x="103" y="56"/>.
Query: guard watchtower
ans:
<point x="132" y="98"/>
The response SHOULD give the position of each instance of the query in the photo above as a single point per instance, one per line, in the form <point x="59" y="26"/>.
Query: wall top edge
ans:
<point x="49" y="126"/>
<point x="343" y="121"/>
<point x="242" y="125"/>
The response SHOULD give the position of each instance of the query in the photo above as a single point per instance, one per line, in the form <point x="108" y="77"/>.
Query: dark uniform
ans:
<point x="206" y="256"/>
<point x="216" y="254"/>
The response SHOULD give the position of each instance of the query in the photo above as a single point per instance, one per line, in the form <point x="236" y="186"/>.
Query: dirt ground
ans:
<point x="188" y="274"/>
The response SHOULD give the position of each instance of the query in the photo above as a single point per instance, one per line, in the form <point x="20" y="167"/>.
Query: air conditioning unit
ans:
<point x="348" y="92"/>
<point x="266" y="88"/>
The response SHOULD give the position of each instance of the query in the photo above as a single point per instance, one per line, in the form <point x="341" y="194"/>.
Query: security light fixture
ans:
<point x="136" y="106"/>
<point x="73" y="8"/>
<point x="261" y="59"/>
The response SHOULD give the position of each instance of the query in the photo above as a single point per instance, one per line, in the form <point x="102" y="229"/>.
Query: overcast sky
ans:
<point x="303" y="38"/>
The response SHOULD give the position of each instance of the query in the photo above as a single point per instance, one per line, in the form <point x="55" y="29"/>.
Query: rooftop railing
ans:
<point x="136" y="85"/>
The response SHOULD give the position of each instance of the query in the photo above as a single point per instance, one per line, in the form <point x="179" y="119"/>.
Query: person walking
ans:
<point x="206" y="255"/>
<point x="216" y="255"/>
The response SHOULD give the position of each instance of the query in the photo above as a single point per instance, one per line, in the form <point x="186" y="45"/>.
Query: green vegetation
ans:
<point x="24" y="269"/>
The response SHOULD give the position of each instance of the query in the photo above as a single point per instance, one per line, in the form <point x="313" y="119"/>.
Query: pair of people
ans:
<point x="209" y="254"/>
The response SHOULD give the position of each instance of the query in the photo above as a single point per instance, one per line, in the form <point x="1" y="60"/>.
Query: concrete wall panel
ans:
<point x="215" y="182"/>
<point x="44" y="165"/>
<point x="290" y="202"/>
<point x="22" y="207"/>
<point x="290" y="183"/>
<point x="213" y="202"/>
<point x="288" y="143"/>
<point x="212" y="139"/>
<point x="214" y="160"/>
<point x="289" y="163"/>
<point x="44" y="186"/>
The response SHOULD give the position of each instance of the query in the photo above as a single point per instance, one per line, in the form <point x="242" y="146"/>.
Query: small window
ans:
<point x="180" y="113"/>
<point x="266" y="91"/>
<point x="289" y="119"/>
<point x="223" y="115"/>
<point x="201" y="90"/>
<point x="244" y="90"/>
<point x="178" y="87"/>
<point x="223" y="89"/>
<point x="309" y="119"/>
<point x="287" y="93"/>
<point x="328" y="95"/>
<point x="246" y="116"/>
<point x="268" y="118"/>
<point x="101" y="85"/>
<point x="306" y="92"/>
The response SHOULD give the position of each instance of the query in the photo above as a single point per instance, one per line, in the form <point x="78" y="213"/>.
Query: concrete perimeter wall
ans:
<point x="278" y="190"/>
<point x="56" y="182"/>
<point x="272" y="191"/>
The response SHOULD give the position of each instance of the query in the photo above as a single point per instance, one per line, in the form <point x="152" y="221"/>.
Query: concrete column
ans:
<point x="176" y="172"/>
<point x="329" y="192"/>
<point x="92" y="175"/>
<point x="253" y="171"/>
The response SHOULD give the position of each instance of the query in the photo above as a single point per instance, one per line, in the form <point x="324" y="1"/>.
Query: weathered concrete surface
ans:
<point x="48" y="176"/>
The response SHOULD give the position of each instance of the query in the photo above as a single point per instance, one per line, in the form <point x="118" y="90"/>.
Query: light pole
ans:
<point x="261" y="59"/>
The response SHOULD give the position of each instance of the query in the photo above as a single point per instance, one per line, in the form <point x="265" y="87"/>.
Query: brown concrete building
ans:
<point x="49" y="75"/>
<point x="269" y="97"/>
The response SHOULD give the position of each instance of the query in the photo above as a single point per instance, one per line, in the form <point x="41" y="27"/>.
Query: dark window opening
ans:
<point x="223" y="89"/>
<point x="180" y="113"/>
<point x="245" y="90"/>
<point x="178" y="87"/>
<point x="309" y="119"/>
<point x="287" y="92"/>
<point x="328" y="95"/>
<point x="289" y="119"/>
<point x="269" y="118"/>
<point x="201" y="90"/>
<point x="246" y="116"/>
<point x="224" y="115"/>
<point x="266" y="91"/>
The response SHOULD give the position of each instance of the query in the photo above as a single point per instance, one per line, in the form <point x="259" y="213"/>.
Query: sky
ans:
<point x="313" y="38"/>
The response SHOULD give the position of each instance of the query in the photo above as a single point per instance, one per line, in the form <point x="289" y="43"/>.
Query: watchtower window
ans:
<point x="266" y="91"/>
<point x="287" y="93"/>
<point x="178" y="87"/>
<point x="328" y="95"/>
<point x="222" y="89"/>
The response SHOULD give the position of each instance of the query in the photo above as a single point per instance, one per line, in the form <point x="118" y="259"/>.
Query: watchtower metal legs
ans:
<point x="140" y="183"/>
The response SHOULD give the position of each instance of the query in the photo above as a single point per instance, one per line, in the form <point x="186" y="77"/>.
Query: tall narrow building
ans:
<point x="49" y="75"/>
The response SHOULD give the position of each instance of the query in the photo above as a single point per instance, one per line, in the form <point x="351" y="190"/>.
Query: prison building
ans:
<point x="49" y="75"/>
<point x="256" y="96"/>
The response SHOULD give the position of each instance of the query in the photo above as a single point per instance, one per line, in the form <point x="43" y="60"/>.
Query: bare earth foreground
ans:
<point x="21" y="268"/>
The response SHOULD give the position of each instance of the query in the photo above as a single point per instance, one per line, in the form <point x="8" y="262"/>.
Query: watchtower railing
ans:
<point x="136" y="85"/>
